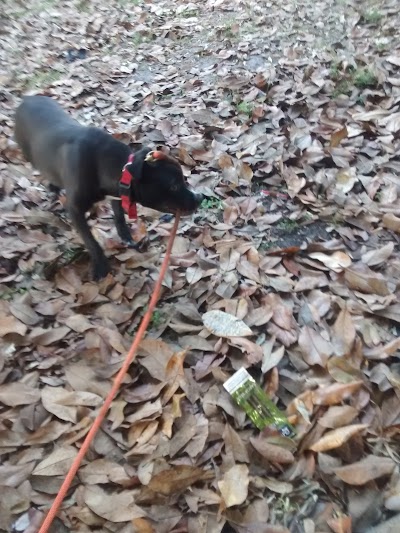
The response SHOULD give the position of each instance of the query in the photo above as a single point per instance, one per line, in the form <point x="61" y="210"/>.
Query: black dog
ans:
<point x="90" y="165"/>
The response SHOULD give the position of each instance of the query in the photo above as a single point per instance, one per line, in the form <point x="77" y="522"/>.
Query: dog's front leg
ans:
<point x="99" y="261"/>
<point x="120" y="223"/>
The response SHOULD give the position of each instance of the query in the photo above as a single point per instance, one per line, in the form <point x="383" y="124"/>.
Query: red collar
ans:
<point x="125" y="185"/>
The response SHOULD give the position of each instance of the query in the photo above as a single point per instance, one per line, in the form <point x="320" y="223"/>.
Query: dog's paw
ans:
<point x="129" y="242"/>
<point x="166" y="218"/>
<point x="100" y="271"/>
<point x="142" y="245"/>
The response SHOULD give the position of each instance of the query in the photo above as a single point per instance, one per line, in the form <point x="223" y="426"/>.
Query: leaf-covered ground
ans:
<point x="286" y="115"/>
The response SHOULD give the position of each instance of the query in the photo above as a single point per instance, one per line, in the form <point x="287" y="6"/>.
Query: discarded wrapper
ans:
<point x="259" y="408"/>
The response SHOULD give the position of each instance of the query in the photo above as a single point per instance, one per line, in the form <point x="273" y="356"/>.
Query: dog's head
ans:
<point x="158" y="183"/>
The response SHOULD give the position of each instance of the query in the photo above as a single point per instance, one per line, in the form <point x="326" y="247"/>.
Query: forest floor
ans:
<point x="286" y="116"/>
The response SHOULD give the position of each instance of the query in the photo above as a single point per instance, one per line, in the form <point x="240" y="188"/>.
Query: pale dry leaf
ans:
<point x="391" y="222"/>
<point x="275" y="454"/>
<point x="379" y="256"/>
<point x="234" y="485"/>
<point x="225" y="325"/>
<point x="113" y="506"/>
<point x="335" y="393"/>
<point x="314" y="348"/>
<point x="57" y="463"/>
<point x="343" y="333"/>
<point x="338" y="261"/>
<point x="24" y="313"/>
<point x="337" y="416"/>
<point x="103" y="471"/>
<point x="14" y="394"/>
<point x="337" y="437"/>
<point x="369" y="468"/>
<point x="64" y="404"/>
<point x="9" y="324"/>
<point x="363" y="279"/>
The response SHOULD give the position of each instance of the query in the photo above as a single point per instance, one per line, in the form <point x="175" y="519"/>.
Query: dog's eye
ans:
<point x="174" y="188"/>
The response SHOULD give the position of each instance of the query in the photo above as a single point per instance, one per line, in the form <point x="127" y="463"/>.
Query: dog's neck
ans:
<point x="111" y="162"/>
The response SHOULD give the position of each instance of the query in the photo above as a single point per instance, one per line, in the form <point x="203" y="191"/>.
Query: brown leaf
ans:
<point x="9" y="324"/>
<point x="234" y="446"/>
<point x="336" y="393"/>
<point x="369" y="468"/>
<point x="13" y="394"/>
<point x="24" y="313"/>
<point x="379" y="256"/>
<point x="315" y="349"/>
<point x="14" y="475"/>
<point x="178" y="479"/>
<point x="45" y="337"/>
<point x="337" y="437"/>
<point x="361" y="278"/>
<point x="175" y="375"/>
<point x="64" y="404"/>
<point x="337" y="416"/>
<point x="115" y="507"/>
<point x="103" y="471"/>
<point x="338" y="136"/>
<point x="344" y="333"/>
<point x="341" y="524"/>
<point x="118" y="314"/>
<point x="57" y="463"/>
<point x="275" y="454"/>
<point x="78" y="323"/>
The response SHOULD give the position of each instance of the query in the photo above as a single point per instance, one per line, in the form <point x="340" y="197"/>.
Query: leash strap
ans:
<point x="125" y="185"/>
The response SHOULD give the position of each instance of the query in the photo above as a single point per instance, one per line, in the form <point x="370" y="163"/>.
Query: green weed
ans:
<point x="364" y="78"/>
<point x="245" y="108"/>
<point x="288" y="224"/>
<point x="373" y="16"/>
<point x="157" y="319"/>
<point x="211" y="203"/>
<point x="43" y="79"/>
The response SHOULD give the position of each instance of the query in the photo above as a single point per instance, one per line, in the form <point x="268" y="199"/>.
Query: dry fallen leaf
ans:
<point x="57" y="463"/>
<point x="338" y="136"/>
<point x="234" y="485"/>
<point x="177" y="479"/>
<point x="275" y="454"/>
<point x="337" y="261"/>
<point x="115" y="507"/>
<point x="314" y="348"/>
<point x="225" y="325"/>
<point x="64" y="404"/>
<point x="336" y="393"/>
<point x="379" y="256"/>
<point x="369" y="468"/>
<point x="13" y="394"/>
<point x="337" y="437"/>
<point x="10" y="324"/>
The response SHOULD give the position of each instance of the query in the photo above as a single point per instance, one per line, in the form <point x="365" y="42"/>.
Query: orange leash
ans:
<point x="114" y="390"/>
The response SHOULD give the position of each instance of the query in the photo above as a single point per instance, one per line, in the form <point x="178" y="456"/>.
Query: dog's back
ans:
<point x="42" y="128"/>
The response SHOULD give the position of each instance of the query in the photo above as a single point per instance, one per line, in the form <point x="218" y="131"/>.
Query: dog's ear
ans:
<point x="136" y="167"/>
<point x="159" y="157"/>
